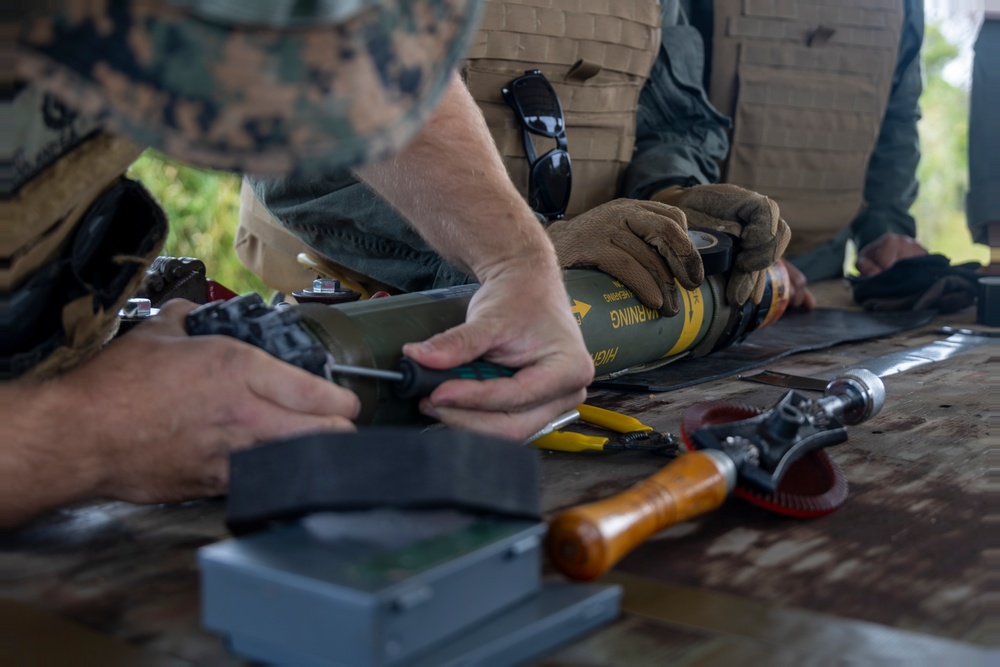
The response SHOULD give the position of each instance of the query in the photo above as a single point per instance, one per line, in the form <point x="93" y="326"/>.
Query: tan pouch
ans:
<point x="40" y="218"/>
<point x="102" y="265"/>
<point x="597" y="58"/>
<point x="268" y="249"/>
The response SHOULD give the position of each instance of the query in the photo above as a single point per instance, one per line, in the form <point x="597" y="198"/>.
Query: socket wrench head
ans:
<point x="863" y="393"/>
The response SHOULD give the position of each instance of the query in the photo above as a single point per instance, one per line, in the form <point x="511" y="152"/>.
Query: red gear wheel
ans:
<point x="813" y="486"/>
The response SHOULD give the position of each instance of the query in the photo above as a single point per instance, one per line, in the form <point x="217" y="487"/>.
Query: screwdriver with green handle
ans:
<point x="414" y="381"/>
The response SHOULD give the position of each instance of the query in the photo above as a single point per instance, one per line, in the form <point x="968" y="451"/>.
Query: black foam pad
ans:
<point x="381" y="467"/>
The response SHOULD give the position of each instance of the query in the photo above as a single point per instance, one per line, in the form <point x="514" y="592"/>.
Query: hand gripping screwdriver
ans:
<point x="413" y="380"/>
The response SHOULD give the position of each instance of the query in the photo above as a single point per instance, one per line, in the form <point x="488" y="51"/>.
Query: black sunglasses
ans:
<point x="539" y="112"/>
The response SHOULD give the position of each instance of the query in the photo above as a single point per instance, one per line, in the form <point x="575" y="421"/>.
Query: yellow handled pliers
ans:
<point x="633" y="434"/>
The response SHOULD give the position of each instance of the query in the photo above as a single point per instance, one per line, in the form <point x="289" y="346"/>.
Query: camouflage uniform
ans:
<point x="263" y="87"/>
<point x="261" y="94"/>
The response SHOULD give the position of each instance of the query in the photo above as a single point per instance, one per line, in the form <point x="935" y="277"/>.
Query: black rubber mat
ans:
<point x="798" y="331"/>
<point x="380" y="467"/>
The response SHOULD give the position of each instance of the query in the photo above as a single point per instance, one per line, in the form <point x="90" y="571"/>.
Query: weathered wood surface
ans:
<point x="908" y="550"/>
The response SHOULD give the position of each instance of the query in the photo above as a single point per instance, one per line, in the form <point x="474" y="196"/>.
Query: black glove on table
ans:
<point x="917" y="283"/>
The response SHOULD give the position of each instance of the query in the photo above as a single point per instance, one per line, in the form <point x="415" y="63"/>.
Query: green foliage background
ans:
<point x="944" y="164"/>
<point x="203" y="206"/>
<point x="203" y="209"/>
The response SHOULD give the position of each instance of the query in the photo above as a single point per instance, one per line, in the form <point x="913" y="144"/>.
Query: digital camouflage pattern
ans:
<point x="279" y="92"/>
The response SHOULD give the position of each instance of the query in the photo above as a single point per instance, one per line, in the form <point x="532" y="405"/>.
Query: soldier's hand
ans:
<point x="885" y="251"/>
<point x="750" y="216"/>
<point x="169" y="409"/>
<point x="643" y="244"/>
<point x="520" y="317"/>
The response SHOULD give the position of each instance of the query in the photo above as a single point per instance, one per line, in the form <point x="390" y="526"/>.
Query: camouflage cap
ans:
<point x="258" y="87"/>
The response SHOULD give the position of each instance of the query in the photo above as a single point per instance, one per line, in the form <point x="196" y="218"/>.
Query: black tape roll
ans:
<point x="715" y="248"/>
<point x="988" y="304"/>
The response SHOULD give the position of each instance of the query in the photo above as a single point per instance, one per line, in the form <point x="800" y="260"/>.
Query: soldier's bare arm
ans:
<point x="453" y="188"/>
<point x="153" y="418"/>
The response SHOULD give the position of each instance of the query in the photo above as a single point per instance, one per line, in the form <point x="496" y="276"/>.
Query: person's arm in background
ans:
<point x="680" y="137"/>
<point x="884" y="232"/>
<point x="680" y="141"/>
<point x="453" y="188"/>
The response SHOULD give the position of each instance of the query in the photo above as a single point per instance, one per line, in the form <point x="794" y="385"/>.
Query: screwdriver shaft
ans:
<point x="363" y="371"/>
<point x="414" y="381"/>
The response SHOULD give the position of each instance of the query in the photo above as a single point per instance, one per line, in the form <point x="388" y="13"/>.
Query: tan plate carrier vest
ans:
<point x="806" y="83"/>
<point x="597" y="54"/>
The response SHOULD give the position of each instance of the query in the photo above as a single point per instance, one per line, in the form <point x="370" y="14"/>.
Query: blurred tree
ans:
<point x="203" y="209"/>
<point x="944" y="164"/>
<point x="937" y="51"/>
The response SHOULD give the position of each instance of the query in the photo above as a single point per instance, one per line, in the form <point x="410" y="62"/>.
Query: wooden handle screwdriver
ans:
<point x="586" y="541"/>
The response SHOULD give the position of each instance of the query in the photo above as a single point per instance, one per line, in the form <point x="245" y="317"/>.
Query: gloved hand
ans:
<point x="644" y="244"/>
<point x="750" y="216"/>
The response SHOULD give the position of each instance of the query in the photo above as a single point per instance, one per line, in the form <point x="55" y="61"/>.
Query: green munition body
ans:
<point x="620" y="333"/>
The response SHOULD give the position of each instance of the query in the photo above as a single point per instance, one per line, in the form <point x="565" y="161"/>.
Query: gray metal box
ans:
<point x="524" y="632"/>
<point x="367" y="588"/>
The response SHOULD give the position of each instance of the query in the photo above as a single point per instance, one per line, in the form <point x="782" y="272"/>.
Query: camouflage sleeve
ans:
<point x="680" y="137"/>
<point x="891" y="181"/>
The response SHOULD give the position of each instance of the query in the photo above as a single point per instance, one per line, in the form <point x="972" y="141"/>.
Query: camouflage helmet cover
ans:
<point x="248" y="85"/>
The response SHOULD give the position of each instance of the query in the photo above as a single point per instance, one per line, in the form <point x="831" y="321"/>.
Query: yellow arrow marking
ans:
<point x="694" y="315"/>
<point x="580" y="309"/>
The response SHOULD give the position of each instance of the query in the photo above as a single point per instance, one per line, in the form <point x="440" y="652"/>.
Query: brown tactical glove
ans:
<point x="644" y="244"/>
<point x="751" y="217"/>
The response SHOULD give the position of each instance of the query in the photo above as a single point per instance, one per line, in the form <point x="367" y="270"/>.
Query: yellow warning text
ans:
<point x="604" y="356"/>
<point x="626" y="317"/>
<point x="620" y="295"/>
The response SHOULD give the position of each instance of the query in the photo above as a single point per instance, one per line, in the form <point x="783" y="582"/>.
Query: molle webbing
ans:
<point x="807" y="83"/>
<point x="597" y="55"/>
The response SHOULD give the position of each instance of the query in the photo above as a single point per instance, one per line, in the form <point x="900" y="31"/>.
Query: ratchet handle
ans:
<point x="586" y="541"/>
